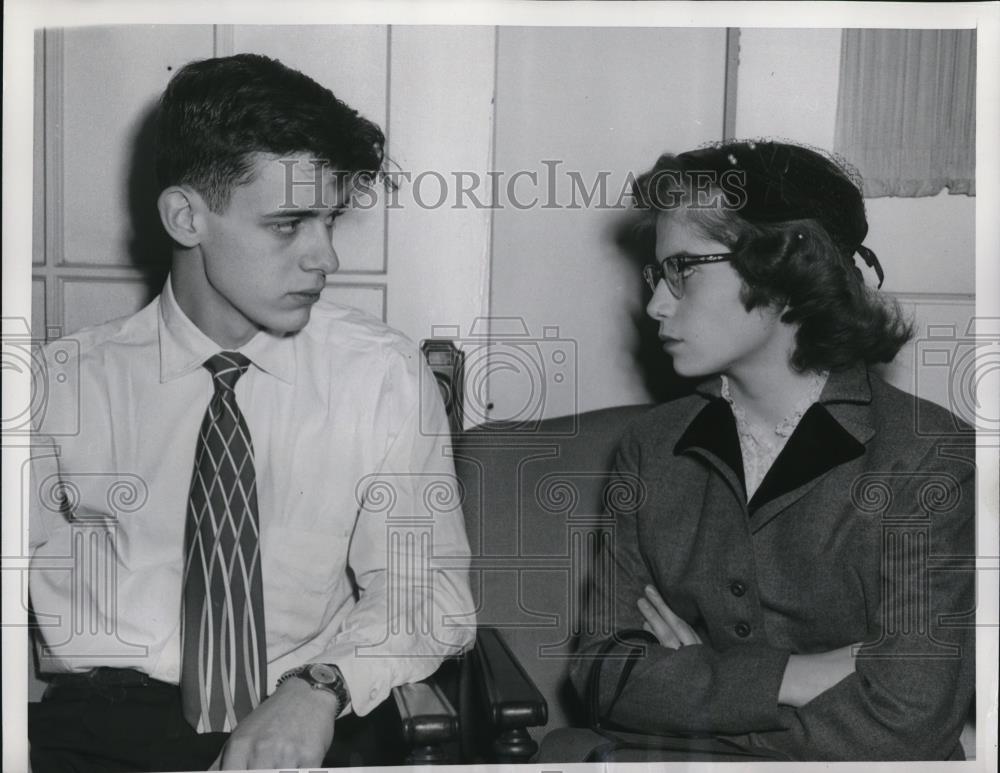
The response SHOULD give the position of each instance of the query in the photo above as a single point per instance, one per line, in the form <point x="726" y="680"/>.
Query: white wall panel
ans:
<point x="88" y="302"/>
<point x="925" y="244"/>
<point x="110" y="77"/>
<point x="440" y="123"/>
<point x="597" y="102"/>
<point x="937" y="363"/>
<point x="787" y="84"/>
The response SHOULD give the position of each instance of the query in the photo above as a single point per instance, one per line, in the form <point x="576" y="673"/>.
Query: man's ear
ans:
<point x="182" y="212"/>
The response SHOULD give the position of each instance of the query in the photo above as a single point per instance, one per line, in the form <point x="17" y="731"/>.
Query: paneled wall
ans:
<point x="99" y="252"/>
<point x="576" y="105"/>
<point x="787" y="87"/>
<point x="99" y="256"/>
<point x="553" y="114"/>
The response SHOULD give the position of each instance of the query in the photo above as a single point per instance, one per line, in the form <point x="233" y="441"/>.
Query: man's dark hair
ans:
<point x="794" y="219"/>
<point x="215" y="114"/>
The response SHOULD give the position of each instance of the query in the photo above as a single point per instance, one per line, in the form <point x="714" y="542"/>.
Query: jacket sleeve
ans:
<point x="914" y="682"/>
<point x="692" y="690"/>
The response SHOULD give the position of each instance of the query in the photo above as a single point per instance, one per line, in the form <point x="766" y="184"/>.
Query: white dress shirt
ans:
<point x="363" y="547"/>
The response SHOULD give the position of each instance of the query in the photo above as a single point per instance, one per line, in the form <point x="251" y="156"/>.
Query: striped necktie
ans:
<point x="224" y="663"/>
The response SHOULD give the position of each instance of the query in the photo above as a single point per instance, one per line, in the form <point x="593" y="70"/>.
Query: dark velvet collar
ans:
<point x="712" y="434"/>
<point x="818" y="444"/>
<point x="833" y="431"/>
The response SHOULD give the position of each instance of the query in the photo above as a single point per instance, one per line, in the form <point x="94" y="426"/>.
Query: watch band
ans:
<point x="321" y="676"/>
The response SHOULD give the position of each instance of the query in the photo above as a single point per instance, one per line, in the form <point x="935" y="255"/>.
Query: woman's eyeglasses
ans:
<point x="672" y="270"/>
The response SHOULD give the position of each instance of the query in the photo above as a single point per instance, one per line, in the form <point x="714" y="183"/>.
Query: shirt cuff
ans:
<point x="366" y="687"/>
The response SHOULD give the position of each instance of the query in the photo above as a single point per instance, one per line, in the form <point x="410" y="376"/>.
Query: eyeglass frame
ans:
<point x="654" y="272"/>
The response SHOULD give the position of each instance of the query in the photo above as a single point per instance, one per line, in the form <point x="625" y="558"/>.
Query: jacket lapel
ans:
<point x="712" y="436"/>
<point x="817" y="445"/>
<point x="831" y="433"/>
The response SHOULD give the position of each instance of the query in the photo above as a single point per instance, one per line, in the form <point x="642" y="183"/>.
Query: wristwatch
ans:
<point x="322" y="676"/>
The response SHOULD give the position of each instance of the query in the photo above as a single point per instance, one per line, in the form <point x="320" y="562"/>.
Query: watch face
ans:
<point x="322" y="673"/>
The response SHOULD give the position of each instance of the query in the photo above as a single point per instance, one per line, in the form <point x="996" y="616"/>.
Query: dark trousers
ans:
<point x="101" y="729"/>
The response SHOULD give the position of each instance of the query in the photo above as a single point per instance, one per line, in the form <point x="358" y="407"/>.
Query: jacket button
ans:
<point x="742" y="630"/>
<point x="737" y="588"/>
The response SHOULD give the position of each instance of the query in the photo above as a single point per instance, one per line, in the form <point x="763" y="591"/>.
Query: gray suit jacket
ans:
<point x="862" y="531"/>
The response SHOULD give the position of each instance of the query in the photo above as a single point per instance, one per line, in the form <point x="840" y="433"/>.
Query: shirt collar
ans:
<point x="847" y="395"/>
<point x="184" y="347"/>
<point x="849" y="385"/>
<point x="832" y="431"/>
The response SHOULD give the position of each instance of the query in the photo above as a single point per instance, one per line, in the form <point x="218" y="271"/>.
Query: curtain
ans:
<point x="906" y="110"/>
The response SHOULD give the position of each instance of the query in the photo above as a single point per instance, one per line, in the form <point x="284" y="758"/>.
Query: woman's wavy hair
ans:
<point x="794" y="219"/>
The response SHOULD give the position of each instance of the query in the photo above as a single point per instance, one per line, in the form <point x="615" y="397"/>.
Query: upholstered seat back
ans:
<point x="534" y="503"/>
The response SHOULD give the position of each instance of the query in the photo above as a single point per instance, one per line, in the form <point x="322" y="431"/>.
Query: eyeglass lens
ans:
<point x="653" y="273"/>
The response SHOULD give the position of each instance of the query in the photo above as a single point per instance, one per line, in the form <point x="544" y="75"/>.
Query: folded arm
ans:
<point x="902" y="697"/>
<point x="805" y="676"/>
<point x="911" y="687"/>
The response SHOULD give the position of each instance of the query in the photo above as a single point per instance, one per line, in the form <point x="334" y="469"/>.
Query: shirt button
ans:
<point x="742" y="630"/>
<point x="373" y="694"/>
<point x="737" y="588"/>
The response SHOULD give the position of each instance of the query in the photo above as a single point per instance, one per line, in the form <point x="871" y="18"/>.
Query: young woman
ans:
<point x="774" y="587"/>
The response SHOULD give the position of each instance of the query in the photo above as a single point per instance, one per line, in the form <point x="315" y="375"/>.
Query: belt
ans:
<point x="106" y="676"/>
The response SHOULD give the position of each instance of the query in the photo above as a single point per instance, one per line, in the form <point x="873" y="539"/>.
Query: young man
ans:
<point x="236" y="548"/>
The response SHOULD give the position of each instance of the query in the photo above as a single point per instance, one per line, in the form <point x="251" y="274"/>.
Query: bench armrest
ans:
<point x="429" y="721"/>
<point x="513" y="701"/>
